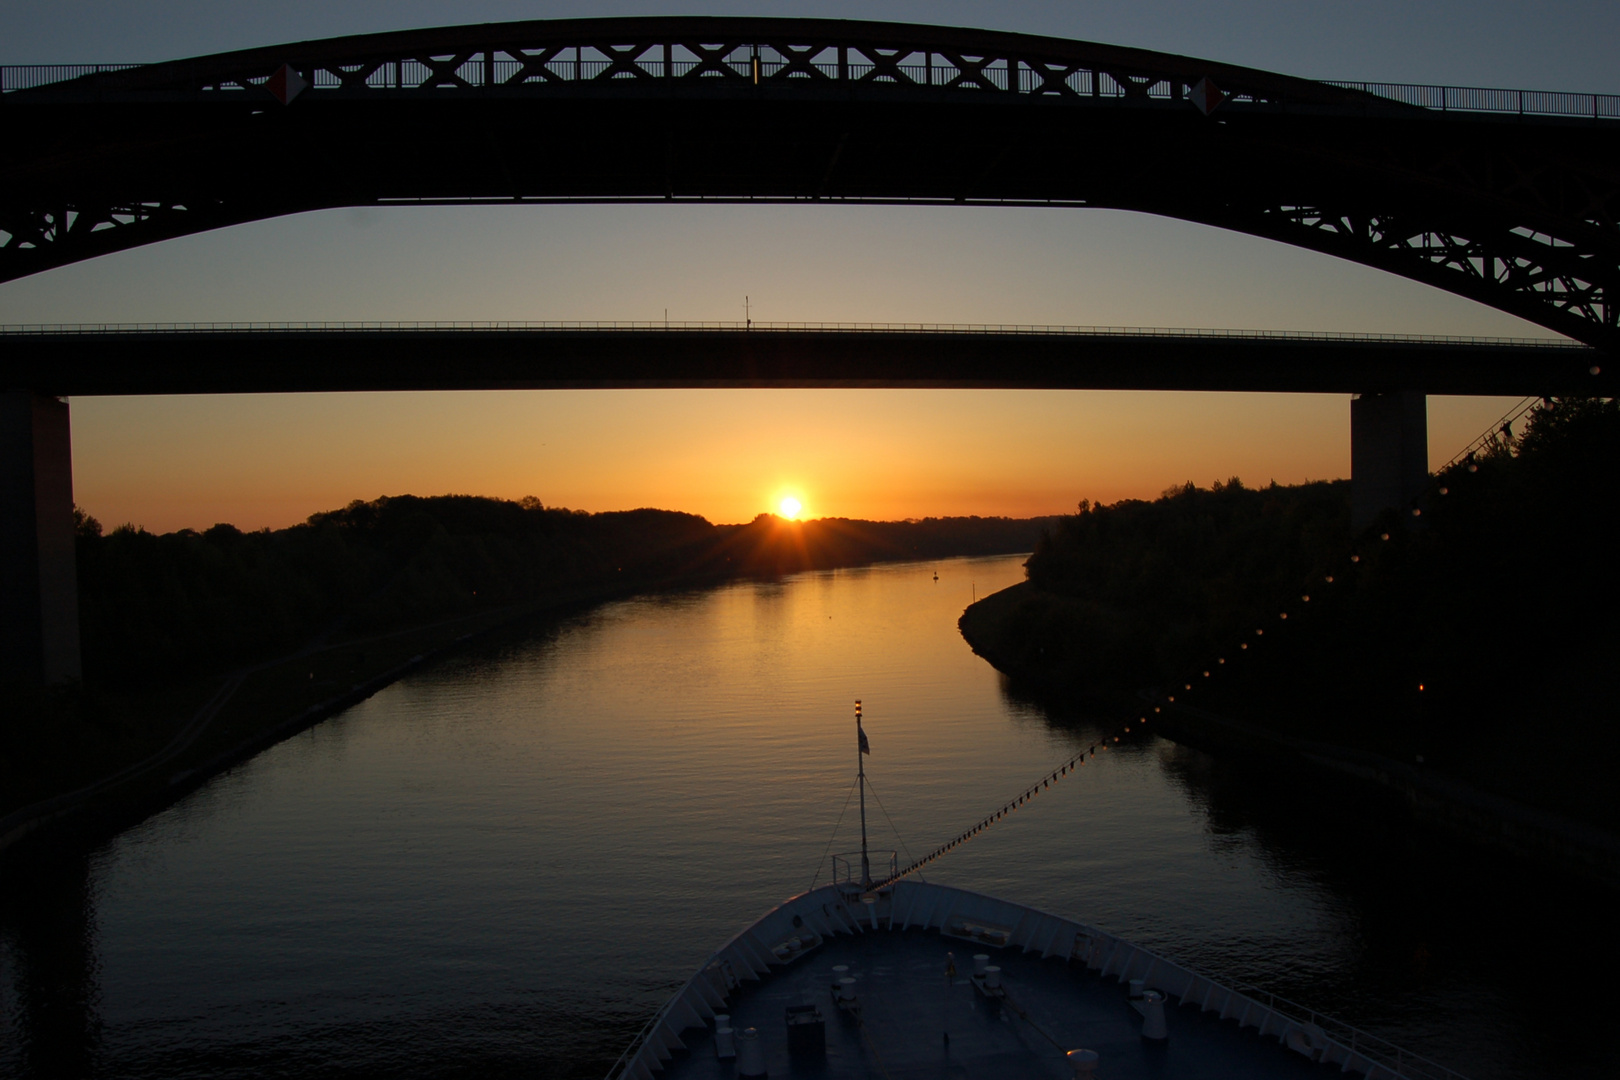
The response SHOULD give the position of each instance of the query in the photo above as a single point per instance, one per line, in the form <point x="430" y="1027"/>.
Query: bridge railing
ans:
<point x="1033" y="329"/>
<point x="28" y="76"/>
<point x="1488" y="100"/>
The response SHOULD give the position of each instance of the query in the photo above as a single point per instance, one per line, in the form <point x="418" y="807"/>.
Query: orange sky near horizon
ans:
<point x="272" y="460"/>
<point x="166" y="463"/>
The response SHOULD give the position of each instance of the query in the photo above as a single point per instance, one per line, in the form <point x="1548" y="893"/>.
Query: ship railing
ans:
<point x="748" y="956"/>
<point x="1300" y="1029"/>
<point x="1402" y="1061"/>
<point x="847" y="867"/>
<point x="618" y="1068"/>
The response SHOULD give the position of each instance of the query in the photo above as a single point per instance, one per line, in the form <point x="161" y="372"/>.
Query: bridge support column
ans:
<point x="39" y="592"/>
<point x="1389" y="453"/>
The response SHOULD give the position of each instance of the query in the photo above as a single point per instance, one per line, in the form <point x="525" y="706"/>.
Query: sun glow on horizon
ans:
<point x="789" y="507"/>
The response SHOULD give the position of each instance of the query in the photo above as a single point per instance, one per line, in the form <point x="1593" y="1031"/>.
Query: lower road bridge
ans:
<point x="40" y="366"/>
<point x="314" y="357"/>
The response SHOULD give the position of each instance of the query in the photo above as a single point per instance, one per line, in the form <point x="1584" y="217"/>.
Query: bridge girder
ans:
<point x="93" y="361"/>
<point x="1519" y="213"/>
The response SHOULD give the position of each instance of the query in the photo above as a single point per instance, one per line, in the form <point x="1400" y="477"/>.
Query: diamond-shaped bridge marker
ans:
<point x="287" y="84"/>
<point x="1206" y="95"/>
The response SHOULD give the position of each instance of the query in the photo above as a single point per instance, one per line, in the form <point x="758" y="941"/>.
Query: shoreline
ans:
<point x="123" y="799"/>
<point x="1434" y="799"/>
<point x="130" y="795"/>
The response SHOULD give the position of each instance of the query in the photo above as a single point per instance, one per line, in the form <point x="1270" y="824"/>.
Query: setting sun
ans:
<point x="789" y="507"/>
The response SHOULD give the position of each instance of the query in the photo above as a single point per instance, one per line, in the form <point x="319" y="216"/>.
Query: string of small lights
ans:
<point x="1378" y="533"/>
<point x="1010" y="806"/>
<point x="1497" y="434"/>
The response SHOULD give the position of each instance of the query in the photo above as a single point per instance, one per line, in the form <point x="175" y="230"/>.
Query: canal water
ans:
<point x="502" y="865"/>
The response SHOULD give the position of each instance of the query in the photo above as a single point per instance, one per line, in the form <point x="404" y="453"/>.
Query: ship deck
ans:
<point x="908" y="1008"/>
<point x="1065" y="986"/>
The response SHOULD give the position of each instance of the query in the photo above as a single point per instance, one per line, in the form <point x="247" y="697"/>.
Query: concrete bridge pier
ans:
<point x="39" y="591"/>
<point x="1389" y="453"/>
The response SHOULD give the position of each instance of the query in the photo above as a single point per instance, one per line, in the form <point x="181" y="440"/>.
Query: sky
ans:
<point x="271" y="460"/>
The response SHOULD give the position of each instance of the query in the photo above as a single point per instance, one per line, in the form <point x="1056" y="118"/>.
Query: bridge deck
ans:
<point x="181" y="360"/>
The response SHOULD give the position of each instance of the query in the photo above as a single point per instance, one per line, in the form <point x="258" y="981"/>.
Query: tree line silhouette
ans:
<point x="154" y="605"/>
<point x="164" y="617"/>
<point x="1478" y="637"/>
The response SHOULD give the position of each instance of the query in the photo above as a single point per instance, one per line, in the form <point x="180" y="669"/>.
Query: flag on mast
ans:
<point x="866" y="747"/>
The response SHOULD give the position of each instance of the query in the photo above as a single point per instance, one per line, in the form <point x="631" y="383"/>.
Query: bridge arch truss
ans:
<point x="1509" y="198"/>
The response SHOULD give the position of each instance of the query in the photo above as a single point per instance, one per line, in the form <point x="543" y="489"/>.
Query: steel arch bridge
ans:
<point x="1509" y="198"/>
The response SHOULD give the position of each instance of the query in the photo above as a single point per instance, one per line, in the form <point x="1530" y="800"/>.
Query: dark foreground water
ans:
<point x="502" y="866"/>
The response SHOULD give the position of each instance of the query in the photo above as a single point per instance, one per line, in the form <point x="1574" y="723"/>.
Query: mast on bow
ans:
<point x="862" y="748"/>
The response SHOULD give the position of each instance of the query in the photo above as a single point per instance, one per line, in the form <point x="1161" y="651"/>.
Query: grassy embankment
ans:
<point x="1478" y="638"/>
<point x="320" y="612"/>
